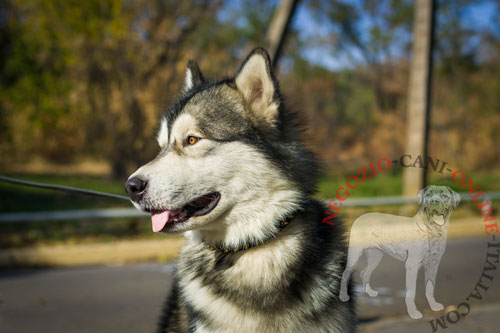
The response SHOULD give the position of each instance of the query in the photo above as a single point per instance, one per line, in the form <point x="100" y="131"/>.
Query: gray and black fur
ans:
<point x="283" y="146"/>
<point x="288" y="283"/>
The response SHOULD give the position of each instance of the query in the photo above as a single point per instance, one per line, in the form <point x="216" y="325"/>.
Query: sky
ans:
<point x="476" y="16"/>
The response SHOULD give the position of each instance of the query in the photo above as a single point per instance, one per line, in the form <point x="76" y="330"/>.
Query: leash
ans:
<point x="62" y="188"/>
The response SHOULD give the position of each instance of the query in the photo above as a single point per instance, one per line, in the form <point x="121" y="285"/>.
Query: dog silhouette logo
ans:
<point x="417" y="241"/>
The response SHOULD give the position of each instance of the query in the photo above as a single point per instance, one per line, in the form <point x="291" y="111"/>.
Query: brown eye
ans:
<point x="191" y="140"/>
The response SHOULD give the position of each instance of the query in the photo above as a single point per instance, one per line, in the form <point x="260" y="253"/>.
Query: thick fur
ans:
<point x="249" y="151"/>
<point x="290" y="284"/>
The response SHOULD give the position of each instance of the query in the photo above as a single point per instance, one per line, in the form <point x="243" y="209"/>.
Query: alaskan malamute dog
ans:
<point x="235" y="177"/>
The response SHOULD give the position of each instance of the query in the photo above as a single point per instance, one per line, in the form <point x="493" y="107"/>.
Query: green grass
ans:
<point x="384" y="185"/>
<point x="391" y="185"/>
<point x="487" y="181"/>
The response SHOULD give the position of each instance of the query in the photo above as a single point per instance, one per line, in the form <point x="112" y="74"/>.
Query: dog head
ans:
<point x="229" y="155"/>
<point x="437" y="202"/>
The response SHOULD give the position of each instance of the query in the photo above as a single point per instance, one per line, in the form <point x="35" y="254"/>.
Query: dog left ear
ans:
<point x="193" y="76"/>
<point x="455" y="197"/>
<point x="256" y="82"/>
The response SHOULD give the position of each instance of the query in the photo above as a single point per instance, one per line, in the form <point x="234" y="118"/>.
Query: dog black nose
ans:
<point x="135" y="187"/>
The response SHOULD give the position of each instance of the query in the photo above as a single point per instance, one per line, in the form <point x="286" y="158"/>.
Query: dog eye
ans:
<point x="191" y="140"/>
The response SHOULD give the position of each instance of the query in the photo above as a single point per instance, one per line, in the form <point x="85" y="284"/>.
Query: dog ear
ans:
<point x="193" y="76"/>
<point x="162" y="136"/>
<point x="421" y="195"/>
<point x="256" y="82"/>
<point x="455" y="197"/>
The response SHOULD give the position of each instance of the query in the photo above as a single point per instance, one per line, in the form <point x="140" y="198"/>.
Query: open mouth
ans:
<point x="198" y="207"/>
<point x="439" y="211"/>
<point x="438" y="215"/>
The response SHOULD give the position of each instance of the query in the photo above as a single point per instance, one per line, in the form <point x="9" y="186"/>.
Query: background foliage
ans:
<point x="88" y="79"/>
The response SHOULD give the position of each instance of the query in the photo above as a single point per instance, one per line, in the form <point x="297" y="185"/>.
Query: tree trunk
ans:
<point x="414" y="178"/>
<point x="278" y="28"/>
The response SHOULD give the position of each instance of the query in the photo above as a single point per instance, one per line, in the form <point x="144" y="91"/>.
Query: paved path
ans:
<point x="86" y="299"/>
<point x="128" y="298"/>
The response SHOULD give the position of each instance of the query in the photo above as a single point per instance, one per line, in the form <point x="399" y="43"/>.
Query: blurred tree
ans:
<point x="368" y="32"/>
<point x="373" y="39"/>
<point x="90" y="78"/>
<point x="33" y="87"/>
<point x="88" y="73"/>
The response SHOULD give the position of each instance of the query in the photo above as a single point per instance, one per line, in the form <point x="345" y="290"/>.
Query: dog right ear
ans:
<point x="421" y="195"/>
<point x="455" y="197"/>
<point x="256" y="82"/>
<point x="193" y="77"/>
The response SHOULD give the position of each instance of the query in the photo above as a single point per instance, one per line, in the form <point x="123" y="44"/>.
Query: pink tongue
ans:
<point x="160" y="219"/>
